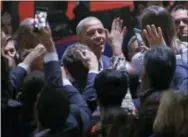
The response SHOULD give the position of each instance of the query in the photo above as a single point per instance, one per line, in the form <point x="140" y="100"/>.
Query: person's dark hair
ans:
<point x="159" y="66"/>
<point x="32" y="85"/>
<point x="52" y="108"/>
<point x="178" y="7"/>
<point x="160" y="17"/>
<point x="111" y="86"/>
<point x="119" y="123"/>
<point x="73" y="62"/>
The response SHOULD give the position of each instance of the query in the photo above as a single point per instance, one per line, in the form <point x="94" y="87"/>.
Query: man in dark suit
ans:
<point x="79" y="116"/>
<point x="90" y="31"/>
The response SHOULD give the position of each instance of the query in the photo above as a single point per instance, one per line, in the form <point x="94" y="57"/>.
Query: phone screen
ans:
<point x="40" y="19"/>
<point x="138" y="34"/>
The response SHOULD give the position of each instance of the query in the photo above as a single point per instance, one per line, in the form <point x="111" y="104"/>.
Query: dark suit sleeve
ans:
<point x="17" y="75"/>
<point x="53" y="76"/>
<point x="89" y="93"/>
<point x="180" y="81"/>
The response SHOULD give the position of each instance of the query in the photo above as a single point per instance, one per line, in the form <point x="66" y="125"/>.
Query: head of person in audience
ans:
<point x="111" y="87"/>
<point x="172" y="115"/>
<point x="158" y="68"/>
<point x="90" y="31"/>
<point x="133" y="47"/>
<point x="52" y="108"/>
<point x="8" y="49"/>
<point x="118" y="122"/>
<point x="73" y="63"/>
<point x="180" y="17"/>
<point x="160" y="17"/>
<point x="24" y="36"/>
<point x="6" y="24"/>
<point x="31" y="87"/>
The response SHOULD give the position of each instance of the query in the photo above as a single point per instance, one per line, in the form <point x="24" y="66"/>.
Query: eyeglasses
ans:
<point x="185" y="20"/>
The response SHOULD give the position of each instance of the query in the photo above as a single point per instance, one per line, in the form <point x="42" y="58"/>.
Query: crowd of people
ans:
<point x="87" y="94"/>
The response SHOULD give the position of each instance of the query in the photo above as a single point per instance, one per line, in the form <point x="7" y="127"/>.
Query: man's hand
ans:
<point x="35" y="55"/>
<point x="45" y="38"/>
<point x="89" y="60"/>
<point x="115" y="37"/>
<point x="154" y="36"/>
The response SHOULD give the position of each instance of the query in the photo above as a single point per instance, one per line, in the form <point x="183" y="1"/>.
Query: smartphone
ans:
<point x="40" y="19"/>
<point x="138" y="34"/>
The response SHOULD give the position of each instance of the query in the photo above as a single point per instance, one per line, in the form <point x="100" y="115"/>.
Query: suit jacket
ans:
<point x="80" y="116"/>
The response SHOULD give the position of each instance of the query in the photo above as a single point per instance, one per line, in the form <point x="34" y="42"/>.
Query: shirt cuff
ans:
<point x="25" y="67"/>
<point x="93" y="71"/>
<point x="51" y="57"/>
<point x="66" y="82"/>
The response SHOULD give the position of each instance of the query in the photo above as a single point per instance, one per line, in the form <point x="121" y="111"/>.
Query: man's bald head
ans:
<point x="83" y="22"/>
<point x="27" y="23"/>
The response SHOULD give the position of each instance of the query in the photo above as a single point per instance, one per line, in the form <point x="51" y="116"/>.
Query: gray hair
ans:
<point x="28" y="23"/>
<point x="84" y="21"/>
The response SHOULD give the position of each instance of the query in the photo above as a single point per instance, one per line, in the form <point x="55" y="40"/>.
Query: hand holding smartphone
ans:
<point x="40" y="19"/>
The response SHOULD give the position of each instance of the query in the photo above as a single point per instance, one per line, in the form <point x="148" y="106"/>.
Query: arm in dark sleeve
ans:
<point x="53" y="76"/>
<point x="52" y="69"/>
<point x="17" y="75"/>
<point x="76" y="99"/>
<point x="89" y="93"/>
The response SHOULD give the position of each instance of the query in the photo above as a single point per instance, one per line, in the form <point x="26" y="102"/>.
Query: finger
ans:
<point x="147" y="37"/>
<point x="124" y="31"/>
<point x="81" y="54"/>
<point x="117" y="26"/>
<point x="154" y="30"/>
<point x="113" y="24"/>
<point x="160" y="32"/>
<point x="150" y="32"/>
<point x="161" y="35"/>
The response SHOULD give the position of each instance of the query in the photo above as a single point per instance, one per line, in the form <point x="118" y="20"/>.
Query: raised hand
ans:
<point x="115" y="37"/>
<point x="89" y="59"/>
<point x="35" y="57"/>
<point x="154" y="36"/>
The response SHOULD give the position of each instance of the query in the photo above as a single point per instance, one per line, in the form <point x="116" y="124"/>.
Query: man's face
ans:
<point x="6" y="24"/>
<point x="94" y="36"/>
<point x="181" y="22"/>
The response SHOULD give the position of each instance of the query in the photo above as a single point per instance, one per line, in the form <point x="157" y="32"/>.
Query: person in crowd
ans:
<point x="158" y="29"/>
<point x="117" y="122"/>
<point x="73" y="63"/>
<point x="91" y="32"/>
<point x="6" y="24"/>
<point x="24" y="36"/>
<point x="168" y="124"/>
<point x="158" y="71"/>
<point x="31" y="86"/>
<point x="180" y="17"/>
<point x="78" y="119"/>
<point x="111" y="87"/>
